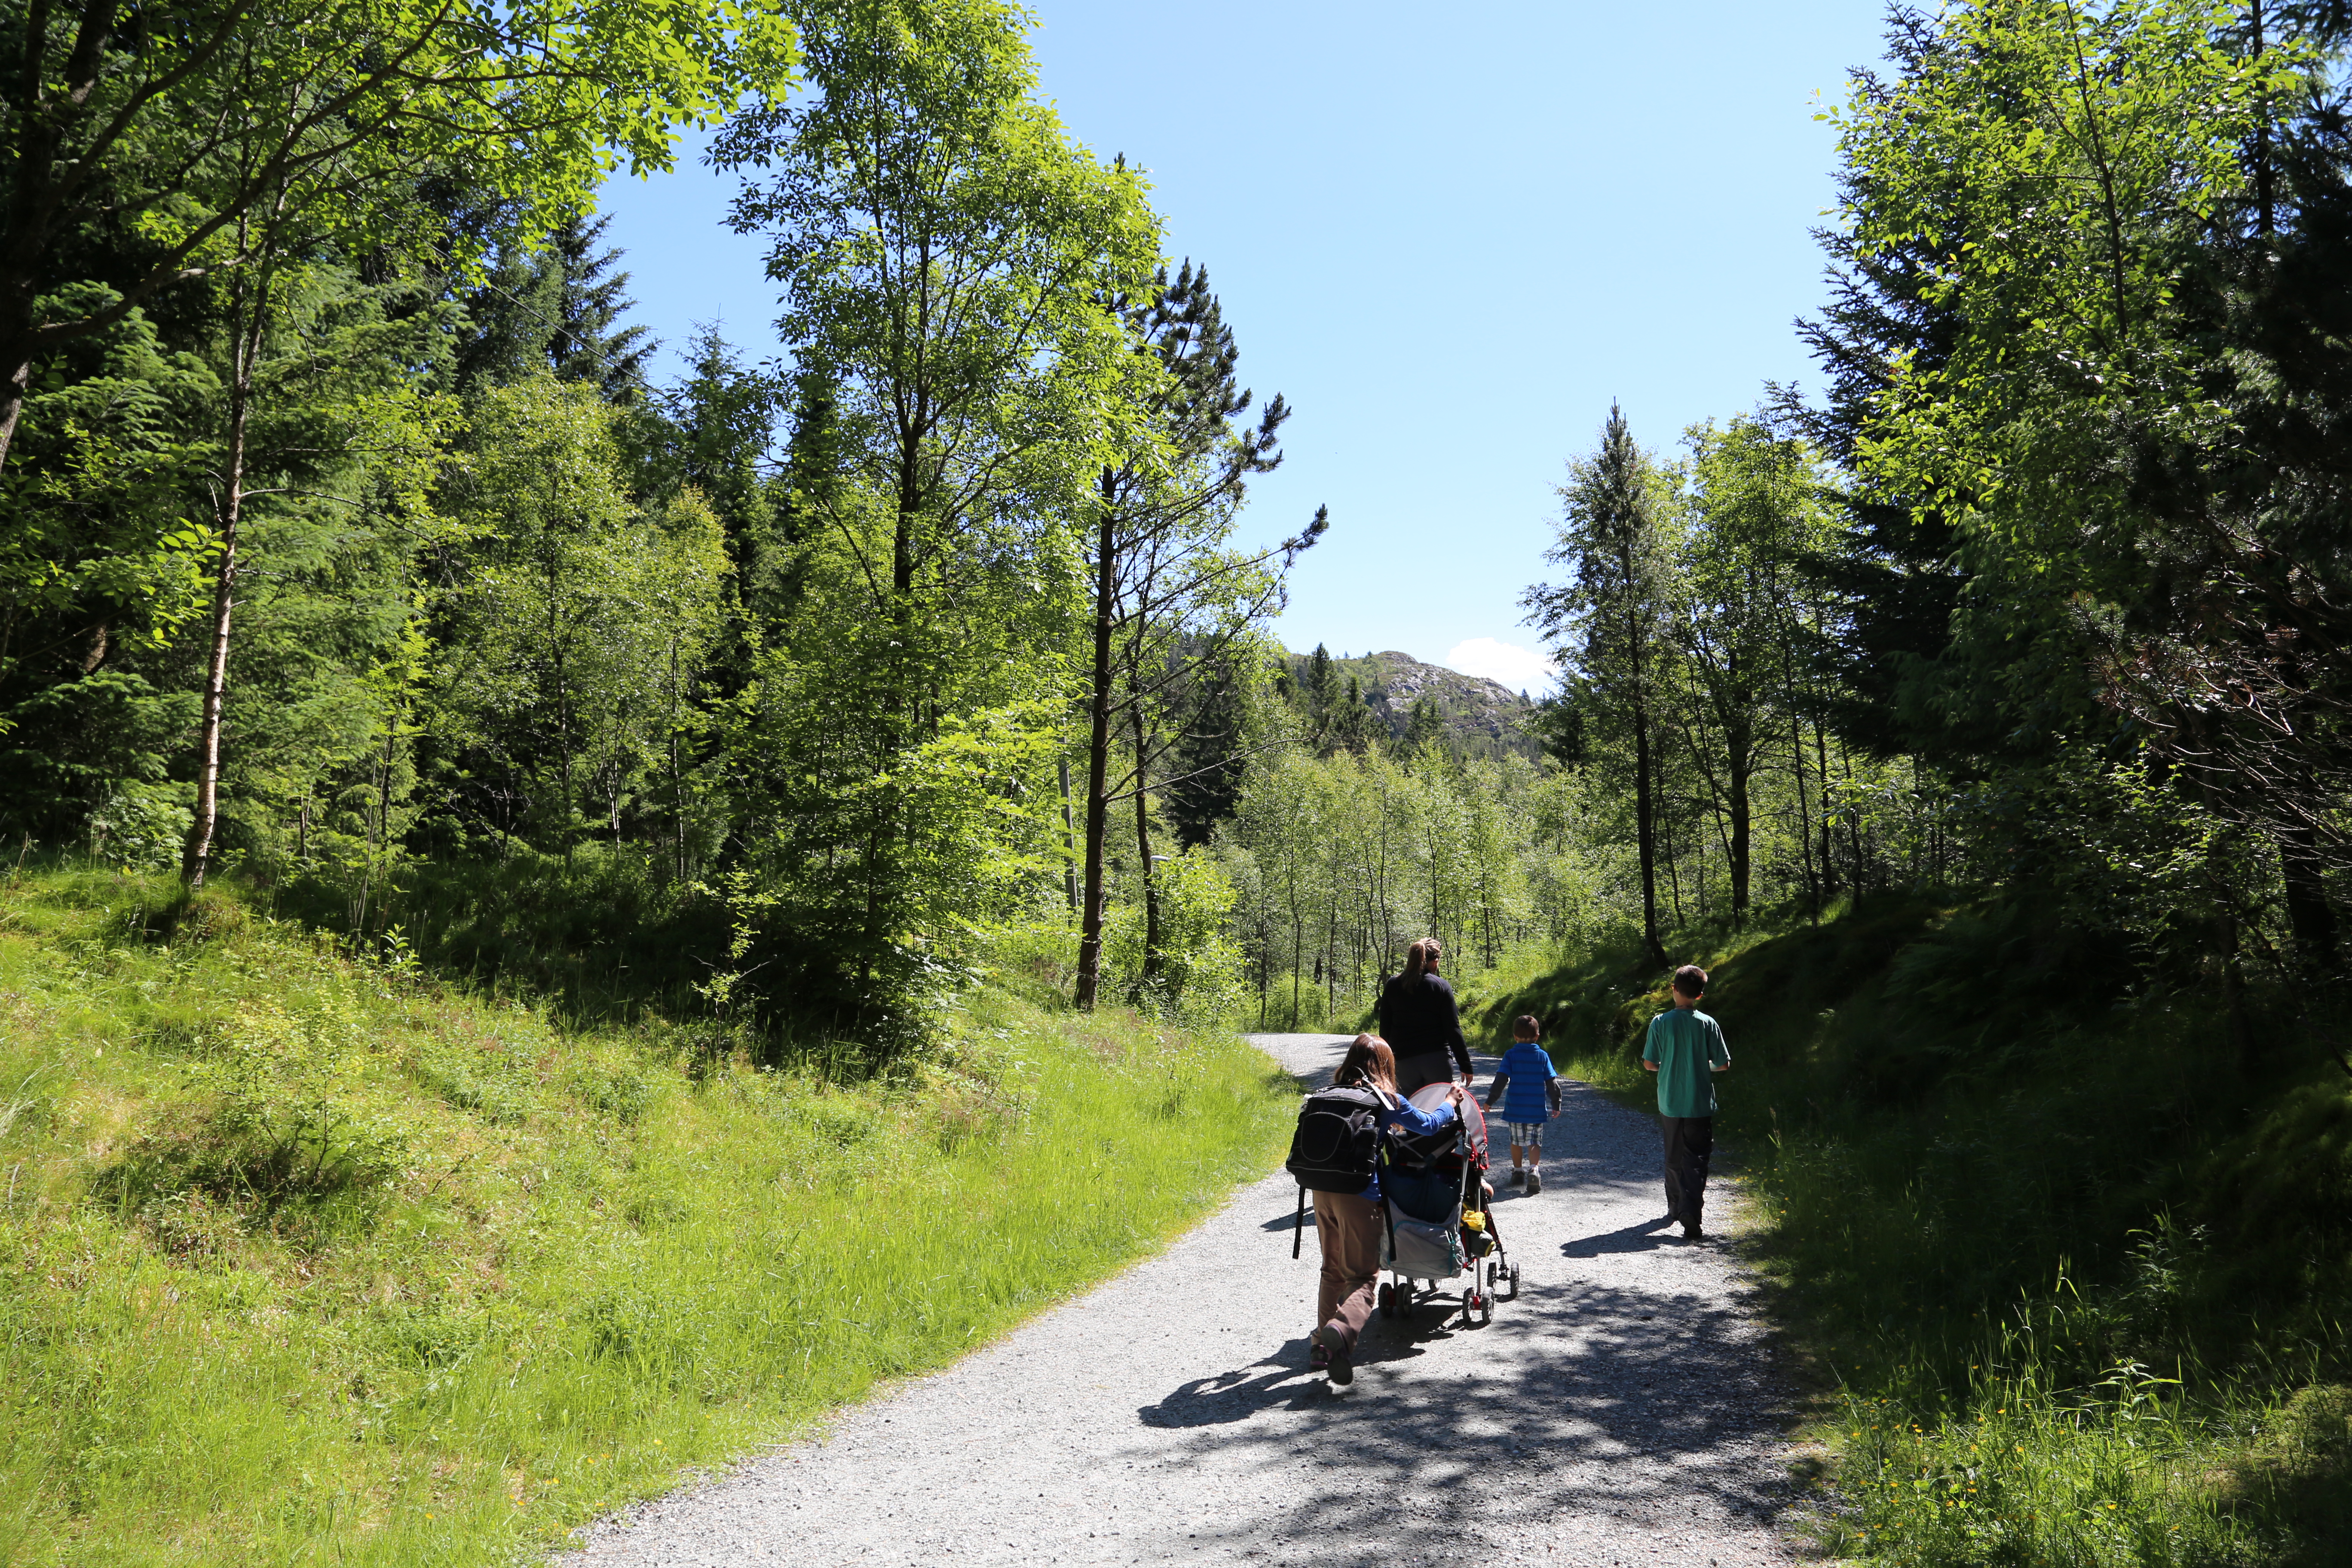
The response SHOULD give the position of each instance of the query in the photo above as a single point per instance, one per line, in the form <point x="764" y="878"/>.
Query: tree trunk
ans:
<point x="1645" y="821"/>
<point x="2309" y="914"/>
<point x="252" y="302"/>
<point x="563" y="710"/>
<point x="20" y="252"/>
<point x="1829" y="861"/>
<point x="676" y="773"/>
<point x="1804" y="821"/>
<point x="1090" y="914"/>
<point x="1069" y="837"/>
<point x="1739" y="749"/>
<point x="1151" y="934"/>
<point x="1674" y="866"/>
<point x="2265" y="201"/>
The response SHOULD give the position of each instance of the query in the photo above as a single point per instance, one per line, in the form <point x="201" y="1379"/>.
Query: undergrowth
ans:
<point x="2067" y="1264"/>
<point x="309" y="1259"/>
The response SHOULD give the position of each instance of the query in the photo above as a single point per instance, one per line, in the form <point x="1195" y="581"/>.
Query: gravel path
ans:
<point x="1625" y="1410"/>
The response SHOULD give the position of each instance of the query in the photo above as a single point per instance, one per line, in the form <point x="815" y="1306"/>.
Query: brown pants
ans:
<point x="1348" y="1226"/>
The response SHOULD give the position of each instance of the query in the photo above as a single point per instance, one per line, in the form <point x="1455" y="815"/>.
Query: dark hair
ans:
<point x="1691" y="980"/>
<point x="1526" y="1027"/>
<point x="1369" y="1061"/>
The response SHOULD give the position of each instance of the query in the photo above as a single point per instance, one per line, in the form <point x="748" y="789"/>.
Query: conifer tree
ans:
<point x="1168" y="598"/>
<point x="1605" y="622"/>
<point x="592" y="341"/>
<point x="1422" y="728"/>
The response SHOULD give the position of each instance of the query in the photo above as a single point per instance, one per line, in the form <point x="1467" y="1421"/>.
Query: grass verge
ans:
<point x="2068" y="1266"/>
<point x="314" y="1259"/>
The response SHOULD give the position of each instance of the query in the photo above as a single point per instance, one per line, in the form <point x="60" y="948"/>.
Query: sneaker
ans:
<point x="1518" y="1176"/>
<point x="1318" y="1354"/>
<point x="1691" y="1231"/>
<point x="1535" y="1181"/>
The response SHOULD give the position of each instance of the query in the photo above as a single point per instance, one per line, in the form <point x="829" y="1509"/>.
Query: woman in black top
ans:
<point x="1420" y="1023"/>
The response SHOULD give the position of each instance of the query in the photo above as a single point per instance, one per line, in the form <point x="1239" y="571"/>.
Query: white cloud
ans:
<point x="1520" y="668"/>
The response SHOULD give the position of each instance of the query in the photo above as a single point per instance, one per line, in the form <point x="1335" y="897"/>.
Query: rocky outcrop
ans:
<point x="1483" y="714"/>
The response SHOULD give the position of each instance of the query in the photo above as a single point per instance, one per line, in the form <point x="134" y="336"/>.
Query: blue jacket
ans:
<point x="1412" y="1118"/>
<point x="1525" y="1079"/>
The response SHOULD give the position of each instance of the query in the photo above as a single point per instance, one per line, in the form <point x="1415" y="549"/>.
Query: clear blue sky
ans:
<point x="1450" y="236"/>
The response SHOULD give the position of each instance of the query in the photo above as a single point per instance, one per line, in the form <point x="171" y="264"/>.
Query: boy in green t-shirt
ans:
<point x="1685" y="1049"/>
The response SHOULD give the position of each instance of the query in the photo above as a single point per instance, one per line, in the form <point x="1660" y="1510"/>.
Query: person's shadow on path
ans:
<point x="1236" y="1397"/>
<point x="1640" y="1237"/>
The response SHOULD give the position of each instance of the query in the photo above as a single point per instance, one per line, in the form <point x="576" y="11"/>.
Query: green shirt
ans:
<point x="1686" y="1045"/>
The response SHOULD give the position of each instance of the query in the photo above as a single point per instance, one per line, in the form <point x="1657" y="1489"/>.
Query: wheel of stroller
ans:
<point x="1388" y="1301"/>
<point x="1486" y="1308"/>
<point x="1514" y="1282"/>
<point x="1492" y="1269"/>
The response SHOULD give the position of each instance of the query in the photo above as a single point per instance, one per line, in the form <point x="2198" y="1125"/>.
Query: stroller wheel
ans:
<point x="1388" y="1301"/>
<point x="1491" y="1270"/>
<point x="1514" y="1282"/>
<point x="1485" y="1308"/>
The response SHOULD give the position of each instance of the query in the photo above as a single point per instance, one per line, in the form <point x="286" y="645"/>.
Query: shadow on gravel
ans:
<point x="1617" y="1402"/>
<point x="1236" y="1397"/>
<point x="1641" y="1237"/>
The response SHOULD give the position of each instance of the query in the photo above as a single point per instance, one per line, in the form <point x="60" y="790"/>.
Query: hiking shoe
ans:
<point x="1535" y="1181"/>
<point x="1518" y="1176"/>
<point x="1691" y="1231"/>
<point x="1343" y="1366"/>
<point x="1318" y="1354"/>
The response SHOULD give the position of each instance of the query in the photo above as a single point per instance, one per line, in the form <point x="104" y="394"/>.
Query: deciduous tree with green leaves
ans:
<point x="946" y="257"/>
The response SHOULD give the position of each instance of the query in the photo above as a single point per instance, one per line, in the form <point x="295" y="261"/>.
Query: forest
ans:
<point x="355" y="569"/>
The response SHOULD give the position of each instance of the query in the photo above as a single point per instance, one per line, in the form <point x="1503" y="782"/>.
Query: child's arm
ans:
<point x="1494" y="1090"/>
<point x="1551" y="1094"/>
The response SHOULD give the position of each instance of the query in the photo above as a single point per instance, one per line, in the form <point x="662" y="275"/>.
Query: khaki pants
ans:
<point x="1348" y="1225"/>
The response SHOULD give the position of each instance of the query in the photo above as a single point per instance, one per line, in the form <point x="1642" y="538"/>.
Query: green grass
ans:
<point x="606" y="936"/>
<point x="315" y="1259"/>
<point x="2067" y="1267"/>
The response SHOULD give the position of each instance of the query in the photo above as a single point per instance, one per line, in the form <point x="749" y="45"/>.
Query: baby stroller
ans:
<point x="1429" y="1184"/>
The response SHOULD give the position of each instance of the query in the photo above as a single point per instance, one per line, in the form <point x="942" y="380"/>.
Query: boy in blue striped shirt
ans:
<point x="1529" y="1091"/>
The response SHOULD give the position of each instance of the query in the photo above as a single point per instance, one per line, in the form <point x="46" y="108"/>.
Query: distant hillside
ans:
<point x="1481" y="715"/>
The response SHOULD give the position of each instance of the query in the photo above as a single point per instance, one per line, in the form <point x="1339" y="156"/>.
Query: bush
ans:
<point x="2064" y="1251"/>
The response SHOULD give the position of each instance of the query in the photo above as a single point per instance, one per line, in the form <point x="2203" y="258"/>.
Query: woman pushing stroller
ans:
<point x="1348" y="1223"/>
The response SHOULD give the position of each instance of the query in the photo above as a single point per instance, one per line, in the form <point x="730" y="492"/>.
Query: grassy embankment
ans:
<point x="2071" y="1265"/>
<point x="311" y="1259"/>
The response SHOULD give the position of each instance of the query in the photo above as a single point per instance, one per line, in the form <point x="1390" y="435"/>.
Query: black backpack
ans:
<point x="1339" y="1138"/>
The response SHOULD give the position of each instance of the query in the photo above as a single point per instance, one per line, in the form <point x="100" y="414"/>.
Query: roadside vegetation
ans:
<point x="2069" y="1280"/>
<point x="310" y="1257"/>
